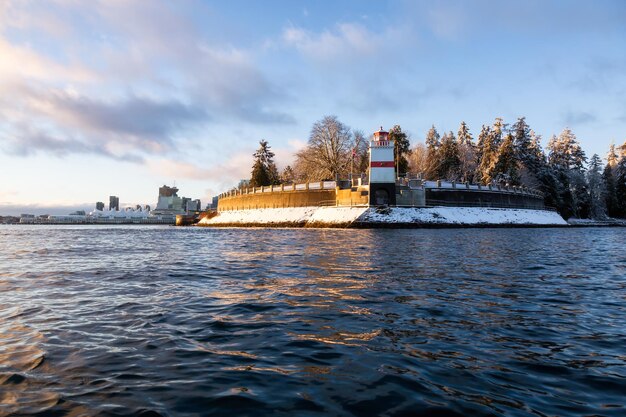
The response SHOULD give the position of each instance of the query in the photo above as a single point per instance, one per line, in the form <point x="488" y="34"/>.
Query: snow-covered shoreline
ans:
<point x="386" y="217"/>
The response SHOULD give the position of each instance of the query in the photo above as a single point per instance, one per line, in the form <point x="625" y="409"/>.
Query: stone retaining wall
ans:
<point x="484" y="198"/>
<point x="277" y="199"/>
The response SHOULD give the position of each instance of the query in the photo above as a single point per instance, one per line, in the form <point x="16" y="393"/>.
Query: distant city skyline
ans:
<point x="120" y="97"/>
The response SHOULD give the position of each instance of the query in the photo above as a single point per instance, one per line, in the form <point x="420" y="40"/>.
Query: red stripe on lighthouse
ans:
<point x="380" y="164"/>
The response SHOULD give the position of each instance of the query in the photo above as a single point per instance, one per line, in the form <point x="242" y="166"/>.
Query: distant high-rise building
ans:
<point x="185" y="201"/>
<point x="114" y="203"/>
<point x="169" y="203"/>
<point x="212" y="205"/>
<point x="100" y="206"/>
<point x="166" y="191"/>
<point x="193" y="205"/>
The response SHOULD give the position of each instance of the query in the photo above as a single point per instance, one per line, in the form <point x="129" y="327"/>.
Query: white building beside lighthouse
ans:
<point x="382" y="170"/>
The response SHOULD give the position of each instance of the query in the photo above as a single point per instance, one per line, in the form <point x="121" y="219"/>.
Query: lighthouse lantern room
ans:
<point x="382" y="170"/>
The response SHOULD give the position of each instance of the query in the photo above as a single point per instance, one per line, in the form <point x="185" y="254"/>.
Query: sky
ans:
<point x="118" y="97"/>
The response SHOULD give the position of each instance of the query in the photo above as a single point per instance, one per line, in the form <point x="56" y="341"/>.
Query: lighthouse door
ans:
<point x="382" y="197"/>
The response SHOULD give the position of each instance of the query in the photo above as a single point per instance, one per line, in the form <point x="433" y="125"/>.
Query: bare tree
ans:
<point x="328" y="152"/>
<point x="360" y="153"/>
<point x="418" y="159"/>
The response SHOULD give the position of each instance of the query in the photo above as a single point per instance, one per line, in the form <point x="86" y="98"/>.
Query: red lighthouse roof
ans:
<point x="381" y="135"/>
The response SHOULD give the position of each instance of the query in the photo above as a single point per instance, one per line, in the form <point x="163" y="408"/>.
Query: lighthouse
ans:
<point x="382" y="170"/>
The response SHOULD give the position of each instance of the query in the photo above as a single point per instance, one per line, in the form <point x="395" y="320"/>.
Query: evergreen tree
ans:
<point x="536" y="158"/>
<point x="565" y="152"/>
<point x="531" y="160"/>
<point x="259" y="176"/>
<point x="622" y="151"/>
<point x="467" y="153"/>
<point x="609" y="176"/>
<point x="464" y="137"/>
<point x="536" y="173"/>
<point x="522" y="138"/>
<point x="432" y="138"/>
<point x="432" y="151"/>
<point x="620" y="184"/>
<point x="479" y="150"/>
<point x="497" y="132"/>
<point x="449" y="161"/>
<point x="402" y="148"/>
<point x="610" y="199"/>
<point x="612" y="158"/>
<point x="597" y="189"/>
<point x="264" y="171"/>
<point x="550" y="187"/>
<point x="288" y="176"/>
<point x="581" y="199"/>
<point x="505" y="167"/>
<point x="567" y="159"/>
<point x="487" y="153"/>
<point x="524" y="152"/>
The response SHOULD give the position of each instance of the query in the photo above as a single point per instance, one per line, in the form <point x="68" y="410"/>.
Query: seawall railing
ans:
<point x="451" y="203"/>
<point x="493" y="187"/>
<point x="320" y="185"/>
<point x="439" y="184"/>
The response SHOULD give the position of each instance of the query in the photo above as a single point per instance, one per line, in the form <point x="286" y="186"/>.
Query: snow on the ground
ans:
<point x="591" y="222"/>
<point x="262" y="216"/>
<point x="364" y="215"/>
<point x="337" y="215"/>
<point x="462" y="215"/>
<point x="299" y="215"/>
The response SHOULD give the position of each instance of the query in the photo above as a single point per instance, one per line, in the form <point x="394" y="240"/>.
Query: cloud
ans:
<point x="364" y="70"/>
<point x="121" y="79"/>
<point x="13" y="209"/>
<point x="345" y="43"/>
<point x="572" y="118"/>
<point x="348" y="39"/>
<point x="447" y="21"/>
<point x="228" y="172"/>
<point x="26" y="140"/>
<point x="602" y="74"/>
<point x="133" y="116"/>
<point x="22" y="62"/>
<point x="6" y="195"/>
<point x="134" y="123"/>
<point x="62" y="122"/>
<point x="456" y="20"/>
<point x="167" y="46"/>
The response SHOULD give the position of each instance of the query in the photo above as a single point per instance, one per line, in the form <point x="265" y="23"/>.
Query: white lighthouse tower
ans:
<point x="382" y="170"/>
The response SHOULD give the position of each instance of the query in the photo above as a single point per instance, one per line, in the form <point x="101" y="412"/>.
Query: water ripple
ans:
<point x="162" y="321"/>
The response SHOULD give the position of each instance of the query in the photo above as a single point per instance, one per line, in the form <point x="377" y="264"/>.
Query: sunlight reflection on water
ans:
<point x="185" y="321"/>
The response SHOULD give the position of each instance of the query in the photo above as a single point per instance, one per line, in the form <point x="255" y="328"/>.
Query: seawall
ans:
<point x="408" y="193"/>
<point x="280" y="197"/>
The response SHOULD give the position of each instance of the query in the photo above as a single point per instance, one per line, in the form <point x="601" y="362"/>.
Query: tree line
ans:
<point x="509" y="154"/>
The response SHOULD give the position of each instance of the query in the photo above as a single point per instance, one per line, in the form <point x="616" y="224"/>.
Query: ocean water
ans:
<point x="121" y="321"/>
